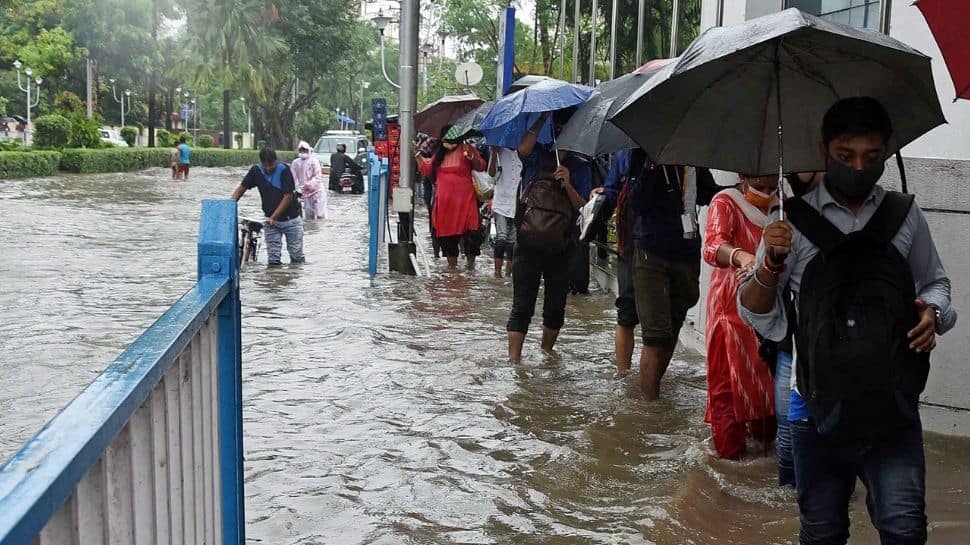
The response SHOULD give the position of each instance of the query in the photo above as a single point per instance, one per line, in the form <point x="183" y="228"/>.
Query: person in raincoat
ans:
<point x="740" y="388"/>
<point x="309" y="180"/>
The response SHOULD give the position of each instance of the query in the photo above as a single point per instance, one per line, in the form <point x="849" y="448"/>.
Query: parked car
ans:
<point x="327" y="144"/>
<point x="113" y="137"/>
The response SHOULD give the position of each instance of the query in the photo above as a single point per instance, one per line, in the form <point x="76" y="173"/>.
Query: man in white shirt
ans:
<point x="506" y="167"/>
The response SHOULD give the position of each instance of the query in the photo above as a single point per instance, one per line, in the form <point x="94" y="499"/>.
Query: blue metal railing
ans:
<point x="151" y="450"/>
<point x="376" y="209"/>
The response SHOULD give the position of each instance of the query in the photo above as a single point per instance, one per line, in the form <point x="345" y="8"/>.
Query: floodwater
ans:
<point x="389" y="415"/>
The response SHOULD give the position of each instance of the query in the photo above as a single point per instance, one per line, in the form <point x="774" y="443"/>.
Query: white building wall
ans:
<point x="938" y="172"/>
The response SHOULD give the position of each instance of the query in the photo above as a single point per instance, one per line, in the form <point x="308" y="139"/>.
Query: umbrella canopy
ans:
<point x="721" y="105"/>
<point x="444" y="111"/>
<point x="525" y="81"/>
<point x="345" y="120"/>
<point x="948" y="22"/>
<point x="588" y="131"/>
<point x="467" y="125"/>
<point x="510" y="117"/>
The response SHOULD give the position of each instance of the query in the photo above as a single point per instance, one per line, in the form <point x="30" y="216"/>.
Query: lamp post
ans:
<point x="38" y="81"/>
<point x="249" y="119"/>
<point x="426" y="50"/>
<point x="126" y="94"/>
<point x="381" y="21"/>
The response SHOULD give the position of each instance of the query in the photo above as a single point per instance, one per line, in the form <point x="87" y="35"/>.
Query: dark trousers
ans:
<point x="579" y="267"/>
<point x="529" y="268"/>
<point x="893" y="472"/>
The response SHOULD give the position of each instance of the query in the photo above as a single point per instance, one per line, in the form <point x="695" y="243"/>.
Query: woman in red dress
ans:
<point x="454" y="212"/>
<point x="740" y="390"/>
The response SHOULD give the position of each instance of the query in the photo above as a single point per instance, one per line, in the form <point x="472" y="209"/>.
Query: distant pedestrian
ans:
<point x="276" y="190"/>
<point x="185" y="153"/>
<point x="173" y="160"/>
<point x="309" y="179"/>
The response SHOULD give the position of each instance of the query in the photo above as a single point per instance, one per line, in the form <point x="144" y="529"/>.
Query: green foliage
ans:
<point x="87" y="161"/>
<point x="11" y="144"/>
<point x="188" y="137"/>
<point x="312" y="123"/>
<point x="3" y="105"/>
<point x="85" y="131"/>
<point x="68" y="103"/>
<point x="260" y="144"/>
<point x="164" y="139"/>
<point x="22" y="164"/>
<point x="129" y="135"/>
<point x="206" y="141"/>
<point x="52" y="131"/>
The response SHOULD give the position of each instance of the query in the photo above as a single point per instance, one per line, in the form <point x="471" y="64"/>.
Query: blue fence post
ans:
<point x="218" y="259"/>
<point x="373" y="213"/>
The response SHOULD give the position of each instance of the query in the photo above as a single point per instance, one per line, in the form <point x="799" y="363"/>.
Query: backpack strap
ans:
<point x="890" y="216"/>
<point x="812" y="224"/>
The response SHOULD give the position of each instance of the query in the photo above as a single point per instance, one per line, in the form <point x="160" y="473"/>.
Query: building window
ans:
<point x="858" y="13"/>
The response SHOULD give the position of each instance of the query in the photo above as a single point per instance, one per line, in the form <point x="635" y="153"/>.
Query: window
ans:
<point x="858" y="13"/>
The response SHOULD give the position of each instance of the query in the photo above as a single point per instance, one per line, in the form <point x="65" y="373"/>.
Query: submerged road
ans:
<point x="390" y="415"/>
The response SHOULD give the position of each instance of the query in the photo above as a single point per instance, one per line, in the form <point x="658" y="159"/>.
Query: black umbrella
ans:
<point x="723" y="105"/>
<point x="588" y="131"/>
<point x="467" y="125"/>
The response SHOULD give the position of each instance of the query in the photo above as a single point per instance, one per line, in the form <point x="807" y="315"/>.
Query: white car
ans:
<point x="114" y="137"/>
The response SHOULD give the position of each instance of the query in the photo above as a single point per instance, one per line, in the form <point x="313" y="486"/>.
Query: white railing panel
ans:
<point x="214" y="406"/>
<point x="143" y="474"/>
<point x="174" y="446"/>
<point x="117" y="487"/>
<point x="60" y="528"/>
<point x="185" y="440"/>
<point x="208" y="430"/>
<point x="88" y="503"/>
<point x="160" y="481"/>
<point x="198" y="455"/>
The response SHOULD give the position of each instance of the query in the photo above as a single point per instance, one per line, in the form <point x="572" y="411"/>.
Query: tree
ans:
<point x="231" y="38"/>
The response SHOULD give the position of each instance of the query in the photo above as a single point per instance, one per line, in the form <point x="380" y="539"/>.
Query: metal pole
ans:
<point x="27" y="128"/>
<point x="407" y="94"/>
<point x="613" y="18"/>
<point x="675" y="29"/>
<point x="720" y="13"/>
<point x="592" y="42"/>
<point x="89" y="73"/>
<point x="885" y="15"/>
<point x="562" y="40"/>
<point x="641" y="6"/>
<point x="576" y="14"/>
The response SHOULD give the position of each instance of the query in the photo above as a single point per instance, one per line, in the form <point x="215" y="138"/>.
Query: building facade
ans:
<point x="938" y="173"/>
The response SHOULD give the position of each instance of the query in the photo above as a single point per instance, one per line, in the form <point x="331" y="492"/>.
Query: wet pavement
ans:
<point x="390" y="415"/>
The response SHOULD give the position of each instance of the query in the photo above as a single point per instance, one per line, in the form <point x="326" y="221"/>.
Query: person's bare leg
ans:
<point x="549" y="337"/>
<point x="470" y="262"/>
<point x="508" y="267"/>
<point x="498" y="267"/>
<point x="452" y="262"/>
<point x="653" y="365"/>
<point x="624" y="348"/>
<point x="516" y="340"/>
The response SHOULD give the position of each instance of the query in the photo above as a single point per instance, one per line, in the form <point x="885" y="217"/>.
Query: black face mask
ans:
<point x="852" y="183"/>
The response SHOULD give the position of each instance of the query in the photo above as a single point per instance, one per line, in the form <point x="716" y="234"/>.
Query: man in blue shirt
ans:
<point x="184" y="153"/>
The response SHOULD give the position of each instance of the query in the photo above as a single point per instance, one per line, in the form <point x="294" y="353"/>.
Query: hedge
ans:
<point x="128" y="159"/>
<point x="28" y="164"/>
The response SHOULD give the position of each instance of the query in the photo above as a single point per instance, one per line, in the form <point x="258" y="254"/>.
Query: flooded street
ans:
<point x="390" y="415"/>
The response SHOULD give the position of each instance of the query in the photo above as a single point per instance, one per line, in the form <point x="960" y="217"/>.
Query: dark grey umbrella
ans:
<point x="525" y="81"/>
<point x="588" y="132"/>
<point x="467" y="125"/>
<point x="719" y="105"/>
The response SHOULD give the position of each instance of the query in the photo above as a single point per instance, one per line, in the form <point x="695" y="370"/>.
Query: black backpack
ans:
<point x="855" y="369"/>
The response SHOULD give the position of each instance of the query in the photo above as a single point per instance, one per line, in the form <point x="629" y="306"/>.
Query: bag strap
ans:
<point x="813" y="225"/>
<point x="890" y="216"/>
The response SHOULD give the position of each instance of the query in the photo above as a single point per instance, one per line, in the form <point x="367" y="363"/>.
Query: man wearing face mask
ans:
<point x="276" y="186"/>
<point x="871" y="295"/>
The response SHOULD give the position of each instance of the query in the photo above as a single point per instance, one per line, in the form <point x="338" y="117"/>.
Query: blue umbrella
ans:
<point x="346" y="120"/>
<point x="511" y="117"/>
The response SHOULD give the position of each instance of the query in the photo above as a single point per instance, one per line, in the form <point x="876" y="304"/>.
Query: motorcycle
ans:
<point x="249" y="232"/>
<point x="351" y="182"/>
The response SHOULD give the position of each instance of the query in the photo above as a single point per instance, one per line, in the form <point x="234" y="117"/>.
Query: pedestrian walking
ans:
<point x="173" y="159"/>
<point x="274" y="180"/>
<point x="740" y="389"/>
<point x="185" y="156"/>
<point x="308" y="177"/>
<point x="455" y="215"/>
<point x="871" y="295"/>
<point x="666" y="260"/>
<point x="506" y="167"/>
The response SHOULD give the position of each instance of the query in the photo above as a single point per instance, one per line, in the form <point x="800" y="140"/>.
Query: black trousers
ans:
<point x="529" y="268"/>
<point x="579" y="267"/>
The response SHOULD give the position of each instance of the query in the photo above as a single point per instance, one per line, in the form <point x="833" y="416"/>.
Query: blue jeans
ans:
<point x="894" y="474"/>
<point x="786" y="466"/>
<point x="504" y="236"/>
<point x="292" y="229"/>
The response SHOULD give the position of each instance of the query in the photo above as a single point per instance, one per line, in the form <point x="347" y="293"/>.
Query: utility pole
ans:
<point x="592" y="43"/>
<point x="89" y="72"/>
<point x="675" y="29"/>
<point x="641" y="6"/>
<point x="613" y="18"/>
<point x="407" y="103"/>
<point x="562" y="40"/>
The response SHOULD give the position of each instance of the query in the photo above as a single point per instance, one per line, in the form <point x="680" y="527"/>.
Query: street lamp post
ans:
<point x="249" y="119"/>
<point x="363" y="85"/>
<point x="426" y="50"/>
<point x="381" y="21"/>
<point x="30" y="105"/>
<point x="126" y="94"/>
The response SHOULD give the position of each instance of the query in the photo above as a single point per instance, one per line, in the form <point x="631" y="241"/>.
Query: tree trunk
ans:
<point x="152" y="91"/>
<point x="168" y="114"/>
<point x="226" y="121"/>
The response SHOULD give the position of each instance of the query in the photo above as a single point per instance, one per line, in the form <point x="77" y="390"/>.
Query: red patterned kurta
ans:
<point x="739" y="385"/>
<point x="455" y="210"/>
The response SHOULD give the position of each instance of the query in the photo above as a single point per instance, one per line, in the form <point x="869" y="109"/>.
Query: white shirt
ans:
<point x="507" y="183"/>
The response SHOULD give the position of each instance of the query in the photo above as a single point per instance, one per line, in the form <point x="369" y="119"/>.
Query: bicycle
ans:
<point x="249" y="232"/>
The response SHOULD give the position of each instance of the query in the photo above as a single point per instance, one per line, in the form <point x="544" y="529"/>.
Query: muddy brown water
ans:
<point x="389" y="415"/>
